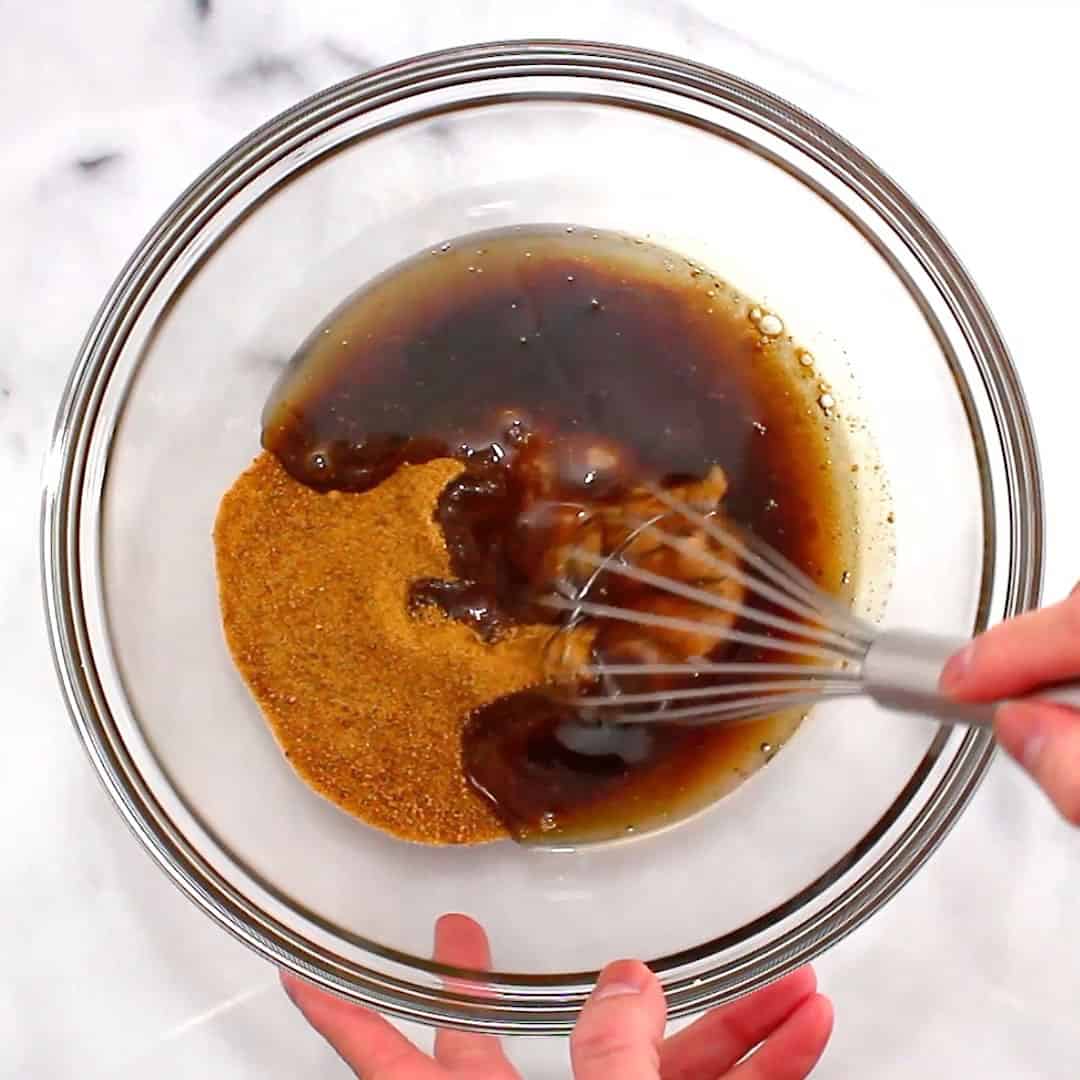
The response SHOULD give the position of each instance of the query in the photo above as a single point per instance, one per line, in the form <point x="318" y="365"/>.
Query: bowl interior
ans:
<point x="178" y="418"/>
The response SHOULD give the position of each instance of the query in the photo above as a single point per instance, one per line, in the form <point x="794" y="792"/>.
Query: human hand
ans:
<point x="619" y="1033"/>
<point x="1018" y="657"/>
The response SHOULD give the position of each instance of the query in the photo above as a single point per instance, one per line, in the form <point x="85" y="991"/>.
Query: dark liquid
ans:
<point x="566" y="367"/>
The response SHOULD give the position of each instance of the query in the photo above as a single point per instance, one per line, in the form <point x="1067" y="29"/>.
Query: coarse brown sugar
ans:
<point x="367" y="701"/>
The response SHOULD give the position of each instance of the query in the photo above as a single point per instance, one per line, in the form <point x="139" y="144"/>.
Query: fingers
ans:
<point x="1022" y="655"/>
<point x="1019" y="655"/>
<point x="794" y="1048"/>
<point x="619" y="1031"/>
<point x="369" y="1045"/>
<point x="1045" y="740"/>
<point x="712" y="1045"/>
<point x="461" y="942"/>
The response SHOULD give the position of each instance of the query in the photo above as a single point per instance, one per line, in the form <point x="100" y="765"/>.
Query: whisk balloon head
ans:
<point x="685" y="618"/>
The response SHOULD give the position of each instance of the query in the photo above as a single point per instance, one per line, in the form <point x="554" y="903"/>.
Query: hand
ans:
<point x="619" y="1034"/>
<point x="1020" y="656"/>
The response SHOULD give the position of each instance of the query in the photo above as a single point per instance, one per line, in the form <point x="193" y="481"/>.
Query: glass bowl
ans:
<point x="162" y="412"/>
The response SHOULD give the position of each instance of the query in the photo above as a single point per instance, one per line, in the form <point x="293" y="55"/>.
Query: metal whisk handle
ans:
<point x="902" y="668"/>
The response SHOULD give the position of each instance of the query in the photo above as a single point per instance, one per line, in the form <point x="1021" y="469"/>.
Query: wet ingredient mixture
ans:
<point x="434" y="452"/>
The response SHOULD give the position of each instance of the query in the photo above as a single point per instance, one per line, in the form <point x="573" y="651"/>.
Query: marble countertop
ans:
<point x="108" y="110"/>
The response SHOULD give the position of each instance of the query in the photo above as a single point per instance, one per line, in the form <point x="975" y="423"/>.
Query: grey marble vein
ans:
<point x="264" y="68"/>
<point x="702" y="24"/>
<point x="349" y="57"/>
<point x="93" y="163"/>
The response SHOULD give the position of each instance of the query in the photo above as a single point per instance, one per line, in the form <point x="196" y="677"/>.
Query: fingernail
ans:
<point x="954" y="674"/>
<point x="1021" y="733"/>
<point x="621" y="979"/>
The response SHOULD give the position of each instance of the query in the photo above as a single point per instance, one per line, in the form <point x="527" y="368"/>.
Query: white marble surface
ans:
<point x="108" y="110"/>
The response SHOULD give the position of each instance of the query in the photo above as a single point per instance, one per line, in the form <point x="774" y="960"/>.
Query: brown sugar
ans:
<point x="367" y="701"/>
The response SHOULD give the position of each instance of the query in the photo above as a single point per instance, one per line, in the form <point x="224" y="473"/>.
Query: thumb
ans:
<point x="620" y="1029"/>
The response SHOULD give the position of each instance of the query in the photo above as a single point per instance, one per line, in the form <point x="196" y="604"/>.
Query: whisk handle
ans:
<point x="901" y="671"/>
<point x="902" y="668"/>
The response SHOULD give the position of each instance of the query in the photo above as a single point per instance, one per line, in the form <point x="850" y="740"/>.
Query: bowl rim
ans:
<point x="550" y="1005"/>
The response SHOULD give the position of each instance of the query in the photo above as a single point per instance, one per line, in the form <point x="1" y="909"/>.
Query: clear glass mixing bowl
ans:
<point x="162" y="412"/>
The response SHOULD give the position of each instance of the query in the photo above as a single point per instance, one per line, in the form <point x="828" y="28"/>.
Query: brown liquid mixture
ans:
<point x="566" y="367"/>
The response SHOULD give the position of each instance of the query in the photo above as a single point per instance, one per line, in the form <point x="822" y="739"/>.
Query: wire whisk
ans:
<point x="682" y="582"/>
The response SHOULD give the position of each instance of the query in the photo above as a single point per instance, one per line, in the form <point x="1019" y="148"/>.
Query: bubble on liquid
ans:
<point x="481" y="251"/>
<point x="445" y="247"/>
<point x="319" y="461"/>
<point x="528" y="254"/>
<point x="569" y="277"/>
<point x="771" y="504"/>
<point x="826" y="401"/>
<point x="569" y="228"/>
<point x="669" y="265"/>
<point x="471" y="269"/>
<point x="845" y="578"/>
<point x="806" y="359"/>
<point x="523" y="340"/>
<point x="768" y="749"/>
<point x="547" y="821"/>
<point x="594" y="304"/>
<point x="770" y="325"/>
<point x="631" y="829"/>
<point x="755" y="315"/>
<point x="759" y="427"/>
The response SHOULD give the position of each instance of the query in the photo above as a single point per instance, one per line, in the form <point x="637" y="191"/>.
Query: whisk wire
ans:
<point x="772" y="565"/>
<point x="743" y="711"/>
<point x="658" y="697"/>
<point x="692" y="667"/>
<point x="811" y="630"/>
<point x="748" y="581"/>
<point x="690" y="626"/>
